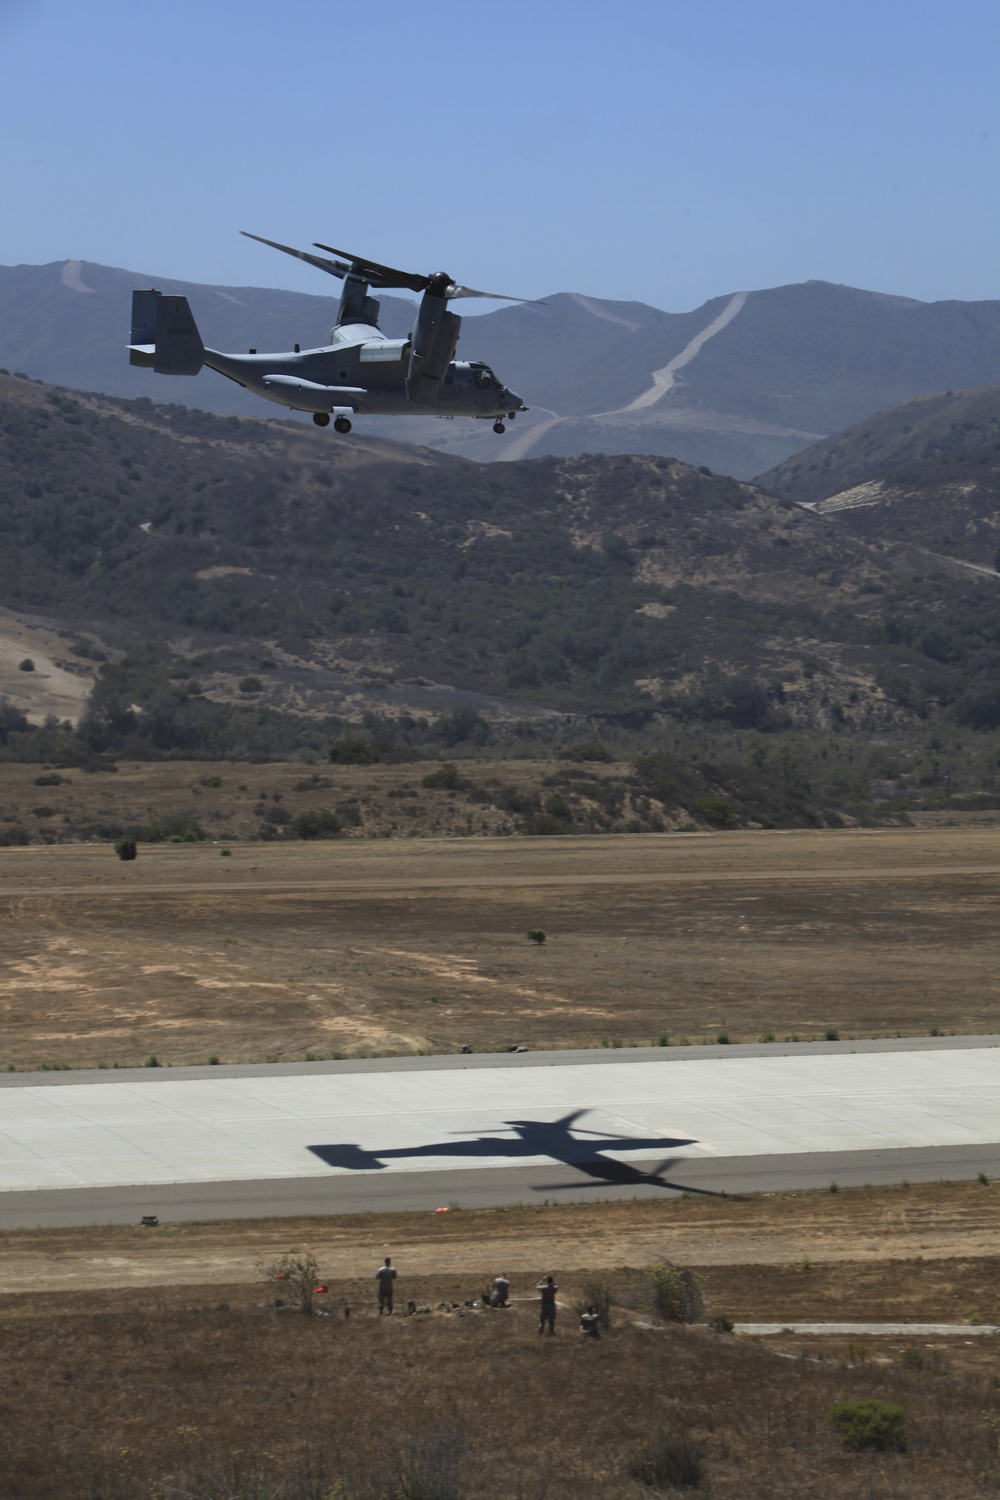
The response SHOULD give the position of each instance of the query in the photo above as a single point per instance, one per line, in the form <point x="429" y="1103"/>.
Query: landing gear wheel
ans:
<point x="342" y="424"/>
<point x="511" y="415"/>
<point x="498" y="426"/>
<point x="321" y="418"/>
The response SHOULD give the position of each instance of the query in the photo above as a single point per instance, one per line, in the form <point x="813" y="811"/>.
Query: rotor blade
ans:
<point x="333" y="267"/>
<point x="386" y="276"/>
<point x="468" y="291"/>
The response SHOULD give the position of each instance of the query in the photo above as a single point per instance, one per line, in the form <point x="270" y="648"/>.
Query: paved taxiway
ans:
<point x="410" y="1133"/>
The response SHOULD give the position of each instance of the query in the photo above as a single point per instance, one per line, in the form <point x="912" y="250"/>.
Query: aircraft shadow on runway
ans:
<point x="561" y="1140"/>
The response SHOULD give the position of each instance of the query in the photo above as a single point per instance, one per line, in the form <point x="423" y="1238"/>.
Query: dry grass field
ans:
<point x="349" y="946"/>
<point x="198" y="1384"/>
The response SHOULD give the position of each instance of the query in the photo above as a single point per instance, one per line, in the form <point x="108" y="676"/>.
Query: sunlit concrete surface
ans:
<point x="879" y="1330"/>
<point x="233" y="1129"/>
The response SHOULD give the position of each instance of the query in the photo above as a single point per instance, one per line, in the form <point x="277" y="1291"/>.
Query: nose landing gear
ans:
<point x="498" y="426"/>
<point x="341" y="424"/>
<point x="321" y="418"/>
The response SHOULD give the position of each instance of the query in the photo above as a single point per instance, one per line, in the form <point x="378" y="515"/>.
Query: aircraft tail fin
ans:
<point x="179" y="349"/>
<point x="164" y="335"/>
<point x="142" y="339"/>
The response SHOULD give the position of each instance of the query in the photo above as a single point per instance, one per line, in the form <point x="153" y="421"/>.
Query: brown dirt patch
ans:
<point x="419" y="945"/>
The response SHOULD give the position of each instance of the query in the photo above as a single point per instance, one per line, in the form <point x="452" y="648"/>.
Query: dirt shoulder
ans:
<point x="866" y="1226"/>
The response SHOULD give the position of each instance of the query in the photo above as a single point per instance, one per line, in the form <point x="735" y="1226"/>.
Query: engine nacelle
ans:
<point x="435" y="339"/>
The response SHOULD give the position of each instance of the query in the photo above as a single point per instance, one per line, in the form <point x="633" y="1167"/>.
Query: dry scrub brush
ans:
<point x="224" y="1400"/>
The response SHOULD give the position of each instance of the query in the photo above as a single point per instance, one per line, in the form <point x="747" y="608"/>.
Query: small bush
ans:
<point x="876" y="1425"/>
<point x="125" y="848"/>
<point x="353" y="752"/>
<point x="536" y="935"/>
<point x="831" y="1034"/>
<point x="51" y="778"/>
<point x="251" y="685"/>
<point x="446" y="778"/>
<point x="717" y="812"/>
<point x="211" y="781"/>
<point x="26" y="666"/>
<point x="910" y="1359"/>
<point x="318" y="824"/>
<point x="674" y="1293"/>
<point x="591" y="750"/>
<point x="672" y="1460"/>
<point x="178" y="830"/>
<point x="299" y="1273"/>
<point x="545" y="824"/>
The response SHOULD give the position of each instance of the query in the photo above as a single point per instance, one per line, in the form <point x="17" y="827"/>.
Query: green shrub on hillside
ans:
<point x="877" y="1425"/>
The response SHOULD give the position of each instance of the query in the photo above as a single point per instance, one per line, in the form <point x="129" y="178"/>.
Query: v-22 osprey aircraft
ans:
<point x="360" y="370"/>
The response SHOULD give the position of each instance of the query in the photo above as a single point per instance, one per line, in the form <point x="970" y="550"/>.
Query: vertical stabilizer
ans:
<point x="179" y="349"/>
<point x="142" y="339"/>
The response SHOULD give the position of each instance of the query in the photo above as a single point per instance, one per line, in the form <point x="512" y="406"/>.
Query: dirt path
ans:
<point x="663" y="380"/>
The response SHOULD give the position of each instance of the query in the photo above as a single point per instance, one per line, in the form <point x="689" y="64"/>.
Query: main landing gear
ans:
<point x="341" y="424"/>
<point x="498" y="426"/>
<point x="321" y="418"/>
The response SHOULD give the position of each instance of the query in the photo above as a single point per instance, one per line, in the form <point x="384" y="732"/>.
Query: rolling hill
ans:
<point x="372" y="576"/>
<point x="926" y="471"/>
<point x="738" y="384"/>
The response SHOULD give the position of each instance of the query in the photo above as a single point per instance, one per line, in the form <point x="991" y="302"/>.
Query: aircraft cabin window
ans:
<point x="386" y="352"/>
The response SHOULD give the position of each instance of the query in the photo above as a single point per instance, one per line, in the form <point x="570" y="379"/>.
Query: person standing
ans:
<point x="547" y="1306"/>
<point x="385" y="1276"/>
<point x="501" y="1291"/>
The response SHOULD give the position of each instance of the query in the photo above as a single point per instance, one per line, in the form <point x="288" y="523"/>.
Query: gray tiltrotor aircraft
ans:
<point x="360" y="370"/>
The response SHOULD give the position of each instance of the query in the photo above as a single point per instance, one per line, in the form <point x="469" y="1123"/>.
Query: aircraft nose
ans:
<point x="512" y="401"/>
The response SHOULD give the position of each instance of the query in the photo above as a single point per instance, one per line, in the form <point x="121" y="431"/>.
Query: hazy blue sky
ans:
<point x="662" y="150"/>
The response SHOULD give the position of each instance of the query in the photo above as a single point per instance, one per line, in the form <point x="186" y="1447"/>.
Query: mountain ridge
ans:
<point x="794" y="363"/>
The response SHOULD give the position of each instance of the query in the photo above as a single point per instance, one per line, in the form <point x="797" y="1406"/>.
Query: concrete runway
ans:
<point x="406" y="1133"/>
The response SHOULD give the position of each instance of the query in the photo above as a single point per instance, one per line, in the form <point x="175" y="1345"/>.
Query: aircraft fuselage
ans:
<point x="370" y="370"/>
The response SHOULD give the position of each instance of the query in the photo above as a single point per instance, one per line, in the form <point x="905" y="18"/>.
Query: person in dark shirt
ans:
<point x="385" y="1276"/>
<point x="590" y="1323"/>
<point x="547" y="1306"/>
